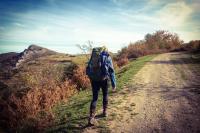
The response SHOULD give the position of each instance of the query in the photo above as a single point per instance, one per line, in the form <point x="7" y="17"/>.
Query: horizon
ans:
<point x="60" y="25"/>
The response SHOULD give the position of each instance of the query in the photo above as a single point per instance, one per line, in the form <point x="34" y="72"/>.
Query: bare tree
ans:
<point x="86" y="48"/>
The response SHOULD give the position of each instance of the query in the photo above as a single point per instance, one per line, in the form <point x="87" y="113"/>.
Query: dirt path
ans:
<point x="163" y="97"/>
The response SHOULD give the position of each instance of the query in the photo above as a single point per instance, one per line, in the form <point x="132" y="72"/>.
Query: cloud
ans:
<point x="120" y="2"/>
<point x="2" y="28"/>
<point x="196" y="5"/>
<point x="18" y="24"/>
<point x="153" y="1"/>
<point x="174" y="15"/>
<point x="116" y="28"/>
<point x="177" y="17"/>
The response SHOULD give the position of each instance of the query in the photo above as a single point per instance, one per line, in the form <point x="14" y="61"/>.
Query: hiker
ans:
<point x="99" y="70"/>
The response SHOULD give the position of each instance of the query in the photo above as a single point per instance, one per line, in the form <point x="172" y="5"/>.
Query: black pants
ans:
<point x="96" y="85"/>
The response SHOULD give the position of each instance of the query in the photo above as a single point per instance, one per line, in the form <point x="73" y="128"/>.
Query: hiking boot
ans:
<point x="104" y="114"/>
<point x="91" y="120"/>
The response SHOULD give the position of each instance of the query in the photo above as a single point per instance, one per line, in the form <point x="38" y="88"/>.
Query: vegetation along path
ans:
<point x="164" y="96"/>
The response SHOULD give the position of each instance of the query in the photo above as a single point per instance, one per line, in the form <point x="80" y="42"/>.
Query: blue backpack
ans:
<point x="97" y="68"/>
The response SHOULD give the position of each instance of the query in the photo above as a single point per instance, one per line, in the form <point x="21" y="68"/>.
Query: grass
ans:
<point x="80" y="59"/>
<point x="72" y="116"/>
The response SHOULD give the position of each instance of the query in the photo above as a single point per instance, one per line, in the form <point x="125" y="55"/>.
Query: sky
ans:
<point x="62" y="24"/>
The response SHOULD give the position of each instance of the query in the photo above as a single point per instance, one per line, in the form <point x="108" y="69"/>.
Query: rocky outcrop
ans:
<point x="31" y="53"/>
<point x="14" y="60"/>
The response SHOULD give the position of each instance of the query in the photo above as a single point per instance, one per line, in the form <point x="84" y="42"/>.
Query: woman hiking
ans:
<point x="99" y="70"/>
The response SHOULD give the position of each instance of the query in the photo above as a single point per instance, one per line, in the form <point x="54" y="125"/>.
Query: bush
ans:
<point x="122" y="61"/>
<point x="30" y="111"/>
<point x="115" y="65"/>
<point x="30" y="95"/>
<point x="47" y="76"/>
<point x="192" y="46"/>
<point x="80" y="78"/>
<point x="37" y="88"/>
<point x="158" y="42"/>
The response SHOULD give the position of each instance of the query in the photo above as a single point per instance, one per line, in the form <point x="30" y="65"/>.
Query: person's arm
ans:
<point x="112" y="73"/>
<point x="113" y="80"/>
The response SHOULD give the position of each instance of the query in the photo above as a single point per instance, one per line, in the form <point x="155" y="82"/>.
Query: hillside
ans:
<point x="15" y="60"/>
<point x="31" y="62"/>
<point x="15" y="67"/>
<point x="8" y="60"/>
<point x="33" y="81"/>
<point x="33" y="52"/>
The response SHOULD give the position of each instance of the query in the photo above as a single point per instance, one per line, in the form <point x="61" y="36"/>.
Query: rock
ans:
<point x="32" y="53"/>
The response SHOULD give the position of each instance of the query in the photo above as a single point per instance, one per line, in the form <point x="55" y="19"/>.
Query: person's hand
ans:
<point x="114" y="89"/>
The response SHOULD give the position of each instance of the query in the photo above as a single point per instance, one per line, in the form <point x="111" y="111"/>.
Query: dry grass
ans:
<point x="35" y="88"/>
<point x="31" y="110"/>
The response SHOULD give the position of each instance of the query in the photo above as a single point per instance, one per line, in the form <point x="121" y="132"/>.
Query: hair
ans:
<point x="104" y="48"/>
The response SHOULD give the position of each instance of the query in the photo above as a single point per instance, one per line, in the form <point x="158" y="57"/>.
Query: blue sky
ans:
<point x="61" y="24"/>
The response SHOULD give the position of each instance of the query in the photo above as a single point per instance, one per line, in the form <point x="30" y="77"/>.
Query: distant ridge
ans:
<point x="15" y="60"/>
<point x="33" y="52"/>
